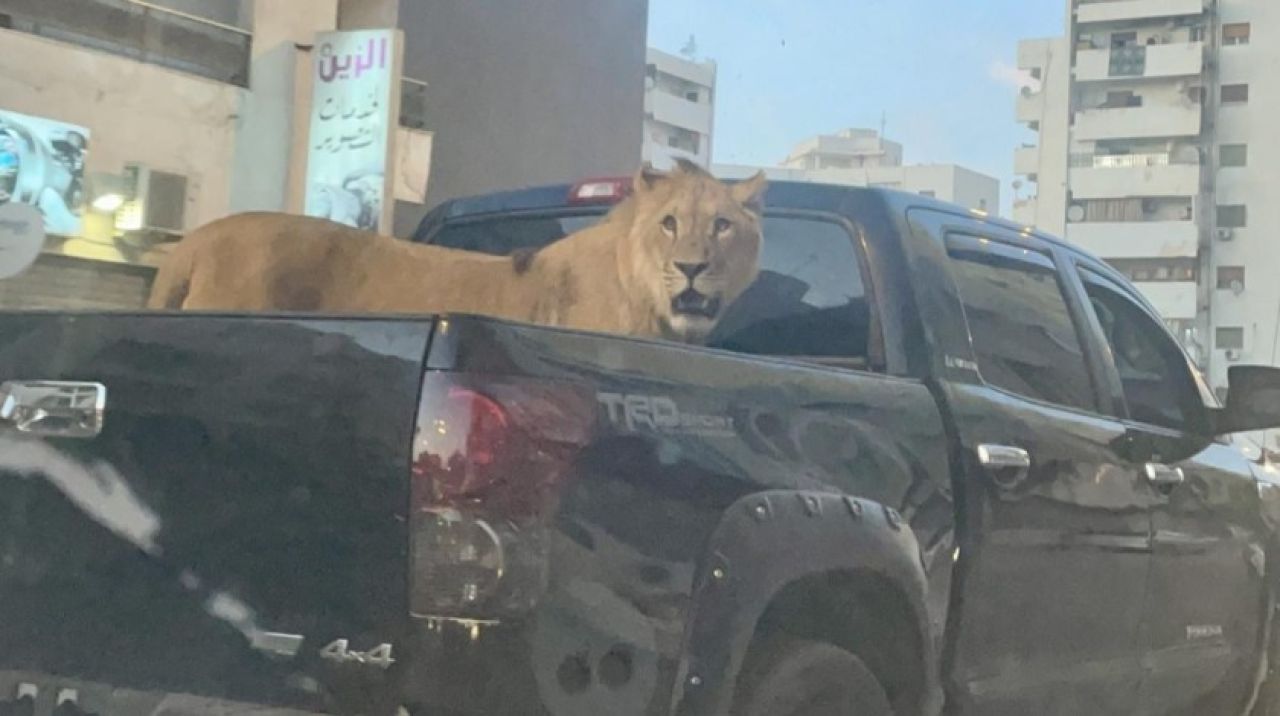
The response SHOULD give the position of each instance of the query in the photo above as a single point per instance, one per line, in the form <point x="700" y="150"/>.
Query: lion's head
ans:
<point x="694" y="246"/>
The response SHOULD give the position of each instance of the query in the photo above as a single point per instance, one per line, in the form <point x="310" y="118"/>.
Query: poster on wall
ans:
<point x="42" y="165"/>
<point x="355" y="111"/>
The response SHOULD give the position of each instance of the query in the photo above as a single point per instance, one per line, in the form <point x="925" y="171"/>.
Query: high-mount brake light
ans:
<point x="600" y="191"/>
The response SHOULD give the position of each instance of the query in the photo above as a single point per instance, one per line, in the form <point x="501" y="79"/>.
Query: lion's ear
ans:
<point x="750" y="192"/>
<point x="646" y="177"/>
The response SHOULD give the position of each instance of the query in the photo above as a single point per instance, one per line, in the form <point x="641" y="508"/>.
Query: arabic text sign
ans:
<point x="353" y="121"/>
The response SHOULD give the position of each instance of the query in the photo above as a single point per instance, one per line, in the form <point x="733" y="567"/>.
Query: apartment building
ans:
<point x="1155" y="152"/>
<point x="861" y="157"/>
<point x="679" y="109"/>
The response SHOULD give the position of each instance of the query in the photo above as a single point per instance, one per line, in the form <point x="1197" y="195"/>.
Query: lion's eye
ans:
<point x="669" y="224"/>
<point x="723" y="225"/>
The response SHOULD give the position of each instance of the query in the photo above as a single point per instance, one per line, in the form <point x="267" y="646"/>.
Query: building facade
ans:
<point x="861" y="157"/>
<point x="210" y="100"/>
<point x="1155" y="153"/>
<point x="679" y="109"/>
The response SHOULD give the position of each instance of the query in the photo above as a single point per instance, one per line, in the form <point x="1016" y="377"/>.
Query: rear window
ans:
<point x="809" y="301"/>
<point x="508" y="234"/>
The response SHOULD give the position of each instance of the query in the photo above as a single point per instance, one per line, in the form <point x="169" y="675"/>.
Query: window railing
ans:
<point x="139" y="31"/>
<point x="1127" y="161"/>
<point x="413" y="103"/>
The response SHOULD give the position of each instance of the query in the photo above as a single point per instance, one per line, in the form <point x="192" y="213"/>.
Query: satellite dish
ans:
<point x="1237" y="286"/>
<point x="21" y="238"/>
<point x="1075" y="212"/>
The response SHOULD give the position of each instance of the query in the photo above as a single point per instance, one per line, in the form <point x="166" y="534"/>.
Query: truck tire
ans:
<point x="807" y="678"/>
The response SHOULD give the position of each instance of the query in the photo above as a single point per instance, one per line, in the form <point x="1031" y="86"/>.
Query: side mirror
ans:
<point x="1253" y="400"/>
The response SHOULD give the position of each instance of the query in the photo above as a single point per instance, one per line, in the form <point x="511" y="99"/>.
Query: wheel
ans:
<point x="807" y="678"/>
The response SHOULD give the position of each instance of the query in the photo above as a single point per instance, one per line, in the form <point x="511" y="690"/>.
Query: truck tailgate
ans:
<point x="243" y="506"/>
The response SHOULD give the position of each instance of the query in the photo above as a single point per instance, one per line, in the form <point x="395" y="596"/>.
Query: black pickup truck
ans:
<point x="931" y="462"/>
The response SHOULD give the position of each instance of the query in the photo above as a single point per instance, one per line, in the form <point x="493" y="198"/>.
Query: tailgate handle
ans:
<point x="62" y="409"/>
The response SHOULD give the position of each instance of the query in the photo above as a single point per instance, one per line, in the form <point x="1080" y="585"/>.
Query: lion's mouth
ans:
<point x="690" y="302"/>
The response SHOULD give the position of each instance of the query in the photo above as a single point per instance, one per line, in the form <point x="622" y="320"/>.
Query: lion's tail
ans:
<point x="173" y="280"/>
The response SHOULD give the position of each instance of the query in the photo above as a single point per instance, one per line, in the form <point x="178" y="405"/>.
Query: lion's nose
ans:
<point x="691" y="271"/>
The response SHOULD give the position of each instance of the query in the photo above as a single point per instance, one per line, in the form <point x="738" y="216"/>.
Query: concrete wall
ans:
<point x="526" y="93"/>
<point x="1257" y="308"/>
<point x="135" y="113"/>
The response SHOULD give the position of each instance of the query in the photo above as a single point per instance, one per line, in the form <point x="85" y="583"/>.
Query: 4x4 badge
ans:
<point x="338" y="652"/>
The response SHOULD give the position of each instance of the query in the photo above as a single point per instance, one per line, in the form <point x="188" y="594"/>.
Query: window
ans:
<point x="1235" y="94"/>
<point x="691" y="95"/>
<point x="1230" y="278"/>
<point x="1235" y="33"/>
<point x="1023" y="336"/>
<point x="1121" y="98"/>
<point x="1230" y="338"/>
<point x="809" y="300"/>
<point x="1232" y="216"/>
<point x="1157" y="382"/>
<point x="1233" y="155"/>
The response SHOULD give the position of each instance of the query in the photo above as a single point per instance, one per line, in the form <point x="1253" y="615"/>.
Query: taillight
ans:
<point x="491" y="458"/>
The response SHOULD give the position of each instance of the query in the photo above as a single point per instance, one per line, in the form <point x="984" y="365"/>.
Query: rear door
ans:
<point x="1054" y="550"/>
<point x="1205" y="601"/>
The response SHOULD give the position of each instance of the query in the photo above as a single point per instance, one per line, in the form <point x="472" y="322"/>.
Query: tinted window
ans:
<point x="1153" y="370"/>
<point x="508" y="234"/>
<point x="1023" y="335"/>
<point x="809" y="300"/>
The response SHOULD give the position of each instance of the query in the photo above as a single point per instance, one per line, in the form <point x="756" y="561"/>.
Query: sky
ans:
<point x="941" y="73"/>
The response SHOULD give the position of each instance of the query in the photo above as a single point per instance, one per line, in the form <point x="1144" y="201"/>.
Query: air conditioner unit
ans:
<point x="156" y="204"/>
<point x="1232" y="354"/>
<point x="1225" y="234"/>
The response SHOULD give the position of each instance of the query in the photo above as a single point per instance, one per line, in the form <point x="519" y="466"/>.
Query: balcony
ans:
<point x="1173" y="299"/>
<point x="1133" y="175"/>
<point x="1089" y="11"/>
<point x="1154" y="121"/>
<point x="1136" y="239"/>
<point x="1175" y="59"/>
<point x="678" y="111"/>
<point x="1024" y="211"/>
<point x="140" y="32"/>
<point x="1026" y="160"/>
<point x="1030" y="106"/>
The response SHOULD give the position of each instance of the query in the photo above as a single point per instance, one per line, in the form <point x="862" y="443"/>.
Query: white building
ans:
<point x="861" y="157"/>
<point x="1156" y="152"/>
<point x="679" y="109"/>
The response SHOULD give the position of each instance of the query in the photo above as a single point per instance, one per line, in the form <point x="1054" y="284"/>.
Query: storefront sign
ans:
<point x="354" y="116"/>
<point x="42" y="165"/>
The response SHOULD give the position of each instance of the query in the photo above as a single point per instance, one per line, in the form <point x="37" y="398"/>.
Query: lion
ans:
<point x="665" y="262"/>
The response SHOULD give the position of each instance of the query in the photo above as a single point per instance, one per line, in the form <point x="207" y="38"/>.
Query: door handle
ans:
<point x="1003" y="456"/>
<point x="52" y="408"/>
<point x="1163" y="475"/>
<point x="1008" y="465"/>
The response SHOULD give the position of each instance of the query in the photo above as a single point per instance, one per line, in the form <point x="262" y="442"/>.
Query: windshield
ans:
<point x="577" y="357"/>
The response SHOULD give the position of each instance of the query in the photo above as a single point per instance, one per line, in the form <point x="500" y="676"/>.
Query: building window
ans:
<point x="1122" y="98"/>
<point x="691" y="95"/>
<point x="1235" y="94"/>
<point x="1229" y="338"/>
<point x="1233" y="155"/>
<point x="1235" y="33"/>
<point x="1230" y="278"/>
<point x="1233" y="216"/>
